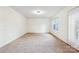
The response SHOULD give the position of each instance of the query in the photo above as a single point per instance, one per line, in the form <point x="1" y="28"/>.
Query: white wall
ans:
<point x="63" y="28"/>
<point x="12" y="25"/>
<point x="66" y="26"/>
<point x="38" y="25"/>
<point x="74" y="27"/>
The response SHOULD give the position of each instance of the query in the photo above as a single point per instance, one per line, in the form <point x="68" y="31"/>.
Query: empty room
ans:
<point x="39" y="29"/>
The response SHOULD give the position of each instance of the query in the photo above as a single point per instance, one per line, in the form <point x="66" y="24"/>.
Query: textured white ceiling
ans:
<point x="50" y="11"/>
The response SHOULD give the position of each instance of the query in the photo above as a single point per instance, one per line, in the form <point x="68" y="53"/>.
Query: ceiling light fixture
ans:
<point x="38" y="12"/>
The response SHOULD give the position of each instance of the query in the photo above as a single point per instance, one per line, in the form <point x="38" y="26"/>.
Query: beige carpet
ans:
<point x="37" y="43"/>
